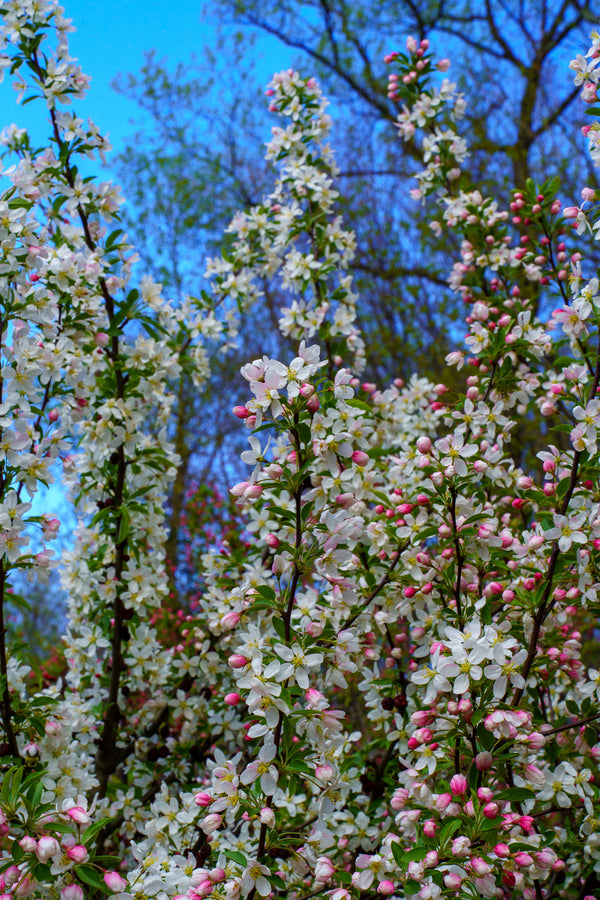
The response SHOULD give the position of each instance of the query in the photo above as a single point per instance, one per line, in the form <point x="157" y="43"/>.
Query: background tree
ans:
<point x="197" y="158"/>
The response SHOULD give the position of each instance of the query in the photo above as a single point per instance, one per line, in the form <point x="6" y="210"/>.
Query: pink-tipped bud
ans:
<point x="523" y="860"/>
<point x="79" y="815"/>
<point x="232" y="699"/>
<point x="324" y="869"/>
<point x="211" y="822"/>
<point x="230" y="620"/>
<point x="237" y="661"/>
<point x="458" y="785"/>
<point x="78" y="853"/>
<point x="484" y="761"/>
<point x="29" y="845"/>
<point x="267" y="817"/>
<point x="307" y="390"/>
<point x="360" y="458"/>
<point x="72" y="892"/>
<point x="443" y="801"/>
<point x="242" y="412"/>
<point x="114" y="881"/>
<point x="202" y="799"/>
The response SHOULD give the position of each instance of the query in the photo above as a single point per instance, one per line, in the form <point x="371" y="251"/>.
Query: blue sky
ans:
<point x="111" y="40"/>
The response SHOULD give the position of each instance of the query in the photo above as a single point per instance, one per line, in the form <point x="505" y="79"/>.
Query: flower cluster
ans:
<point x="379" y="687"/>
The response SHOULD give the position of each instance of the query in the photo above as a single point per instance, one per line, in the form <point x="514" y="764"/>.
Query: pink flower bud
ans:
<point x="101" y="339"/>
<point x="461" y="846"/>
<point x="242" y="412"/>
<point x="452" y="881"/>
<point x="479" y="866"/>
<point x="324" y="869"/>
<point x="424" y="444"/>
<point x="523" y="859"/>
<point x="72" y="892"/>
<point x="267" y="817"/>
<point x="307" y="390"/>
<point x="114" y="881"/>
<point x="46" y="847"/>
<point x="534" y="775"/>
<point x="78" y="853"/>
<point x="386" y="887"/>
<point x="230" y="620"/>
<point x="239" y="489"/>
<point x="458" y="785"/>
<point x="536" y="740"/>
<point x="429" y="828"/>
<point x="526" y="823"/>
<point x="502" y="851"/>
<point x="12" y="875"/>
<point x="443" y="801"/>
<point x="272" y="541"/>
<point x="237" y="661"/>
<point x="79" y="815"/>
<point x="360" y="458"/>
<point x="399" y="798"/>
<point x="28" y="843"/>
<point x="232" y="699"/>
<point x="217" y="875"/>
<point x="484" y="761"/>
<point x="211" y="822"/>
<point x="491" y="810"/>
<point x="202" y="799"/>
<point x="545" y="859"/>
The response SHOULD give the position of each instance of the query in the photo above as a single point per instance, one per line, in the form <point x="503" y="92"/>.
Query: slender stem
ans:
<point x="6" y="704"/>
<point x="377" y="590"/>
<point x="459" y="557"/>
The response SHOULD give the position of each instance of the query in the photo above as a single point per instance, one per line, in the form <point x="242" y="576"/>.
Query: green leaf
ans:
<point x="397" y="852"/>
<point x="515" y="795"/>
<point x="236" y="857"/>
<point x="447" y="830"/>
<point x="124" y="526"/>
<point x="90" y="833"/>
<point x="90" y="876"/>
<point x="279" y="628"/>
<point x="404" y="857"/>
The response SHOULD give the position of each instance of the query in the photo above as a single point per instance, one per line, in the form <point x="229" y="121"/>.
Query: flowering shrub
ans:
<point x="382" y="693"/>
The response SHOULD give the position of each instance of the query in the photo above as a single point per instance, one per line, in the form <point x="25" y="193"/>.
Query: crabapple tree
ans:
<point x="378" y="690"/>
